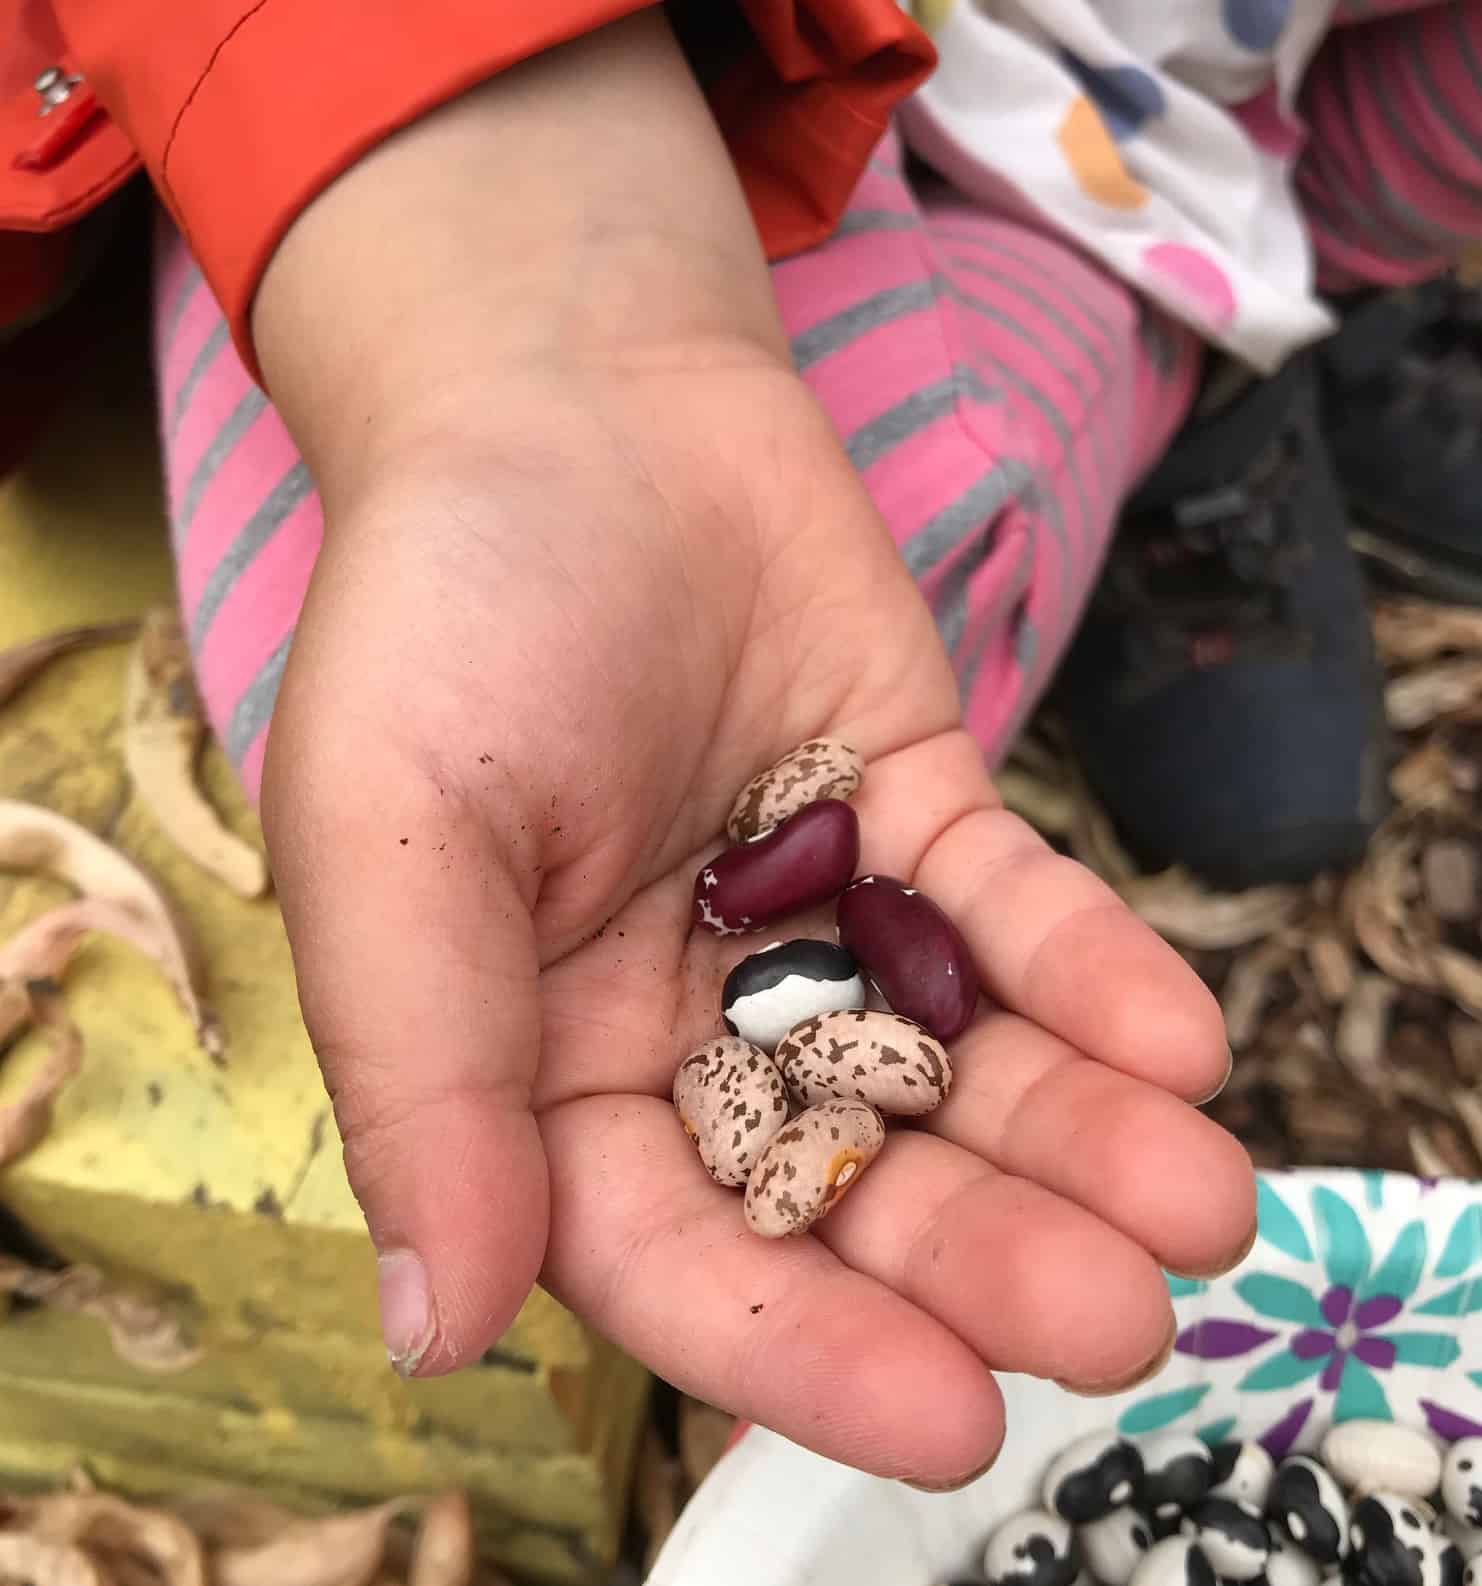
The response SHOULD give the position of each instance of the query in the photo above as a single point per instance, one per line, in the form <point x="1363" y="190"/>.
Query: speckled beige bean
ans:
<point x="880" y="1058"/>
<point x="731" y="1101"/>
<point x="810" y="1164"/>
<point x="822" y="768"/>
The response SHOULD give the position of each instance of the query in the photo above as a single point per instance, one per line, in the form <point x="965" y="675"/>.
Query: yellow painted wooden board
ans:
<point x="508" y="1402"/>
<point x="319" y="1454"/>
<point x="225" y="1178"/>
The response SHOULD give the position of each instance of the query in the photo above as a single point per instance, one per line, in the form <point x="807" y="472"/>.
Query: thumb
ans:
<point x="417" y="974"/>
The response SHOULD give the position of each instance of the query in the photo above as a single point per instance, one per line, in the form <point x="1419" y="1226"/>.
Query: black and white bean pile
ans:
<point x="1383" y="1505"/>
<point x="791" y="1102"/>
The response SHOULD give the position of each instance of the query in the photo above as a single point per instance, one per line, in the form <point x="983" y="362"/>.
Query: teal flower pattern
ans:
<point x="1349" y="1306"/>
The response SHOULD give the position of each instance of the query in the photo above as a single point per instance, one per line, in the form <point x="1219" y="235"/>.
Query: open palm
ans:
<point x="531" y="675"/>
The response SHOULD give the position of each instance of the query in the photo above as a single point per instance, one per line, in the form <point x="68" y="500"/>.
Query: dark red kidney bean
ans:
<point x="915" y="955"/>
<point x="806" y="860"/>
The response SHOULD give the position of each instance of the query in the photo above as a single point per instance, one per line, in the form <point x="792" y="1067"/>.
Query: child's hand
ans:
<point x="577" y="587"/>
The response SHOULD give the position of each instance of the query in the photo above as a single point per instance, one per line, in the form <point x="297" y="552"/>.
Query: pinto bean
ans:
<point x="810" y="1165"/>
<point x="731" y="1101"/>
<point x="822" y="768"/>
<point x="880" y="1058"/>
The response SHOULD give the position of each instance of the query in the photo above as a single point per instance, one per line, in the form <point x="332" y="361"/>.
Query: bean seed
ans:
<point x="769" y="992"/>
<point x="822" y="768"/>
<point x="915" y="955"/>
<point x="879" y="1058"/>
<point x="805" y="861"/>
<point x="809" y="1165"/>
<point x="731" y="1101"/>
<point x="1371" y="1456"/>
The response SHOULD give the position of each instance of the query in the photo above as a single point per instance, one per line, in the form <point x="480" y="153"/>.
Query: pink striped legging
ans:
<point x="999" y="392"/>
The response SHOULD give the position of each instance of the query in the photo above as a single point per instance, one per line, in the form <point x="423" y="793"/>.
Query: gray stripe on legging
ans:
<point x="250" y="539"/>
<point x="238" y="422"/>
<point x="1037" y="503"/>
<point x="251" y="712"/>
<point x="952" y="597"/>
<point x="1437" y="101"/>
<point x="1349" y="218"/>
<point x="1464" y="47"/>
<point x="858" y="220"/>
<point x="170" y="322"/>
<point x="868" y="314"/>
<point x="1063" y="322"/>
<point x="1396" y="207"/>
<point x="198" y="366"/>
<point x="1104" y="331"/>
<point x="1096" y="432"/>
<point x="946" y="528"/>
<point x="1063" y="433"/>
<point x="1026" y="643"/>
<point x="871" y="441"/>
<point x="1004" y="608"/>
<point x="1379" y="85"/>
<point x="961" y="239"/>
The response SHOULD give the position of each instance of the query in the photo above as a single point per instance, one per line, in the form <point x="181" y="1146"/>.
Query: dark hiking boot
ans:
<point x="1222" y="695"/>
<point x="1402" y="410"/>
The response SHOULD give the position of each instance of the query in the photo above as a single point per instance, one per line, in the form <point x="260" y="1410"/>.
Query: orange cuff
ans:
<point x="245" y="110"/>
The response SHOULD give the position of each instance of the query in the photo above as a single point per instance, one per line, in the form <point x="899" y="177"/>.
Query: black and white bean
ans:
<point x="1096" y="1474"/>
<point x="1288" y="1565"/>
<point x="769" y="992"/>
<point x="1392" y="1543"/>
<point x="1233" y="1536"/>
<point x="1461" y="1481"/>
<point x="1243" y="1471"/>
<point x="1115" y="1545"/>
<point x="1177" y="1472"/>
<point x="1177" y="1561"/>
<point x="1309" y="1506"/>
<point x="1466" y="1538"/>
<point x="1031" y="1548"/>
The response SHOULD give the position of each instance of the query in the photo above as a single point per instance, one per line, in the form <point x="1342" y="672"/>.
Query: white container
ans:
<point x="1362" y="1298"/>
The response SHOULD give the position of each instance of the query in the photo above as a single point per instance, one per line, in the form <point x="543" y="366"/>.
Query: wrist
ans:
<point x="450" y="264"/>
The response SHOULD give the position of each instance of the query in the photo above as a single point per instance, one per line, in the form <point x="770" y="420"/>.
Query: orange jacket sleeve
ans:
<point x="244" y="110"/>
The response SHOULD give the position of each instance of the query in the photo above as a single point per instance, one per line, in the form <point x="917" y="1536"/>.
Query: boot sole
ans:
<point x="1392" y="562"/>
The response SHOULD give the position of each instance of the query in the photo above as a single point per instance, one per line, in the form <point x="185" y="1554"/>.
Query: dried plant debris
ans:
<point x="145" y="1330"/>
<point x="26" y="1118"/>
<point x="165" y="727"/>
<point x="80" y="1537"/>
<point x="32" y="1561"/>
<point x="340" y="1550"/>
<point x="1354" y="1004"/>
<point x="1176" y="906"/>
<point x="123" y="901"/>
<point x="111" y="1530"/>
<point x="21" y="662"/>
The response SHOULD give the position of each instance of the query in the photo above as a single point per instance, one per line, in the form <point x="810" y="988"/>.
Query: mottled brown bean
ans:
<point x="806" y="861"/>
<point x="880" y="1058"/>
<point x="810" y="1165"/>
<point x="915" y="955"/>
<point x="822" y="768"/>
<point x="731" y="1101"/>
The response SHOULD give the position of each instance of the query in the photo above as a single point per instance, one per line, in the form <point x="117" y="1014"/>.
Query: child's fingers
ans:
<point x="1137" y="1157"/>
<point x="780" y="1331"/>
<point x="1019" y="1274"/>
<point x="417" y="975"/>
<point x="1051" y="941"/>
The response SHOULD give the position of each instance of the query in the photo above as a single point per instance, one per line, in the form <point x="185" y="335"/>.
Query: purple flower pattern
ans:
<point x="1313" y="1319"/>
